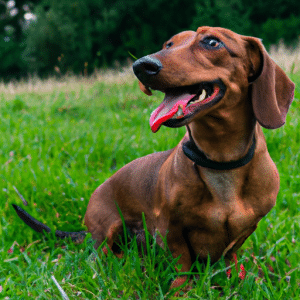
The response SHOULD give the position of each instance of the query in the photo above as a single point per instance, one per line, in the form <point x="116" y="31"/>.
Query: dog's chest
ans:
<point x="222" y="185"/>
<point x="213" y="203"/>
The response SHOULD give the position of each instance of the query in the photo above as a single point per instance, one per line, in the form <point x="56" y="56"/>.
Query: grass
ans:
<point x="59" y="140"/>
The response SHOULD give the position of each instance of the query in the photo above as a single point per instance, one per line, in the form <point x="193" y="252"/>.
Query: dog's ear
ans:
<point x="144" y="89"/>
<point x="272" y="90"/>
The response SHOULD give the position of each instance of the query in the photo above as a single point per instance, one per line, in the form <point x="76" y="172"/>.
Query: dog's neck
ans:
<point x="191" y="150"/>
<point x="225" y="137"/>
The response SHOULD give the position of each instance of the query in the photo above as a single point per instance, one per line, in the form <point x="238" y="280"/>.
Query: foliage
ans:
<point x="88" y="34"/>
<point x="82" y="35"/>
<point x="275" y="30"/>
<point x="61" y="33"/>
<point x="232" y="14"/>
<point x="12" y="24"/>
<point x="12" y="65"/>
<point x="58" y="145"/>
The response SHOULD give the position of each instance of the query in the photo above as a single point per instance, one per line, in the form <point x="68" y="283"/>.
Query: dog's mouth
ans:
<point x="181" y="104"/>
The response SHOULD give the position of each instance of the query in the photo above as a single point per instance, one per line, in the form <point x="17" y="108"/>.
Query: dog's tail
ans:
<point x="76" y="237"/>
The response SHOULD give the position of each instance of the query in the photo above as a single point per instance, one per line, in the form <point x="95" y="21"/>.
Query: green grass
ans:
<point x="57" y="146"/>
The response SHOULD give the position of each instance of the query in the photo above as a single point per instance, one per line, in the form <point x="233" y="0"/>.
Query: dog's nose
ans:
<point x="146" y="67"/>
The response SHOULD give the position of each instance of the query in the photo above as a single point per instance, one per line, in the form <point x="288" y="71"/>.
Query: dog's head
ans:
<point x="213" y="67"/>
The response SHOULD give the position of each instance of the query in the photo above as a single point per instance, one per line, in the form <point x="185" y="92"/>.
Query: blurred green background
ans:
<point x="47" y="37"/>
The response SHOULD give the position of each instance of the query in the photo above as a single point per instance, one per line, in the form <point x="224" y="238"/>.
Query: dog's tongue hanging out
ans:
<point x="173" y="104"/>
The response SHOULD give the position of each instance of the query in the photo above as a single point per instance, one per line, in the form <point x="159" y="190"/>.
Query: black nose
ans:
<point x="146" y="67"/>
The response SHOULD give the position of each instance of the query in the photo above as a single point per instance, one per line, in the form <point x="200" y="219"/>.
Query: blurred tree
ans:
<point x="12" y="22"/>
<point x="272" y="20"/>
<point x="286" y="30"/>
<point x="84" y="34"/>
<point x="50" y="36"/>
<point x="145" y="25"/>
<point x="261" y="11"/>
<point x="231" y="14"/>
<point x="60" y="38"/>
<point x="275" y="20"/>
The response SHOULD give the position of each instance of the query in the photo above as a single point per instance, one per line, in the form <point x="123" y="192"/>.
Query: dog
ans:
<point x="207" y="195"/>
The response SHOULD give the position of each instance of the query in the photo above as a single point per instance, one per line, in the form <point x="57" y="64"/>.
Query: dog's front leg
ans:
<point x="179" y="248"/>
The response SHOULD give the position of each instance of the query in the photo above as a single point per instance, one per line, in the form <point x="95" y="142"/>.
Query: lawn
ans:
<point x="60" y="139"/>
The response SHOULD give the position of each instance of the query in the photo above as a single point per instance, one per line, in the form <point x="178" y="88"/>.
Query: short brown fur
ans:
<point x="204" y="211"/>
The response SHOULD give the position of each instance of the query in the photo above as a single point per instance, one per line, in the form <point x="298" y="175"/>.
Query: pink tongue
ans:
<point x="168" y="108"/>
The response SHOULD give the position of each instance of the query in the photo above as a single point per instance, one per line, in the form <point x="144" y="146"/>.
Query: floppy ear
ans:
<point x="272" y="90"/>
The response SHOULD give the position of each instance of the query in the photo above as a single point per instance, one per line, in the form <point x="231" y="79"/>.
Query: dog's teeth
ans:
<point x="203" y="95"/>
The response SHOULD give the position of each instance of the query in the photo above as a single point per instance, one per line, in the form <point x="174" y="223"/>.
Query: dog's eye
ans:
<point x="211" y="43"/>
<point x="169" y="45"/>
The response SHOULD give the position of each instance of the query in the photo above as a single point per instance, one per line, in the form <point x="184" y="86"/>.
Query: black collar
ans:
<point x="191" y="150"/>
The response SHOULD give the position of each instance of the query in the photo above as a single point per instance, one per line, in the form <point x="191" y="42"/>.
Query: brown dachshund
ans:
<point x="208" y="193"/>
